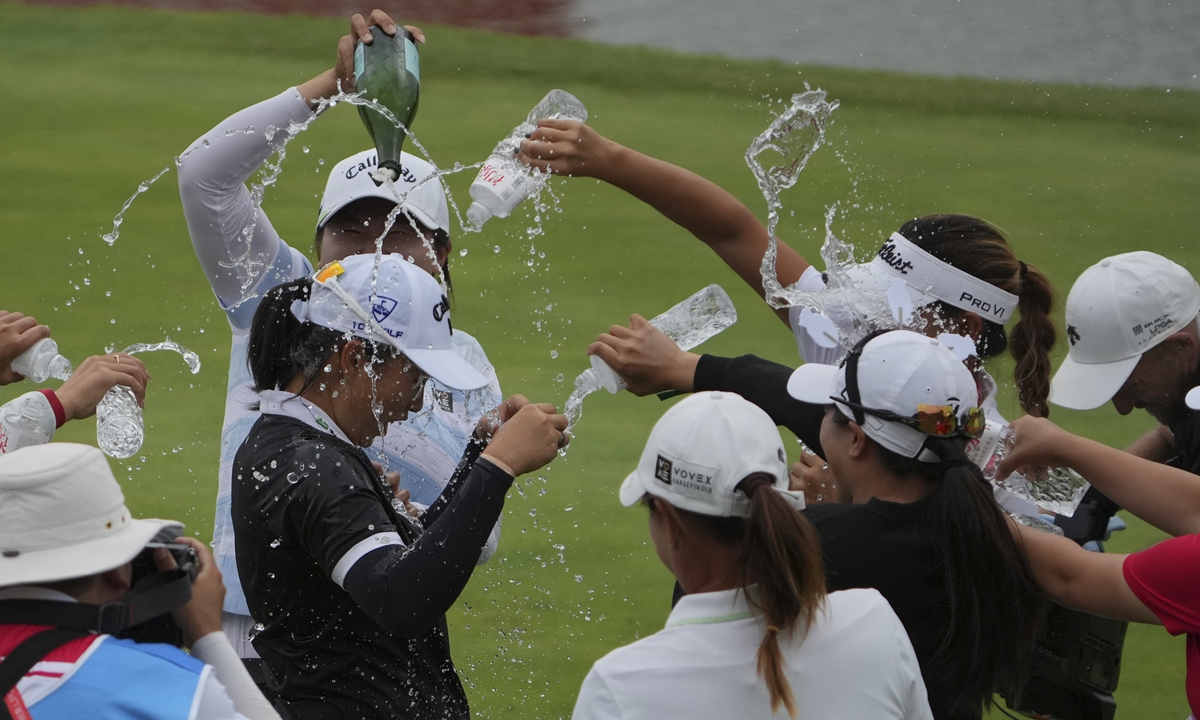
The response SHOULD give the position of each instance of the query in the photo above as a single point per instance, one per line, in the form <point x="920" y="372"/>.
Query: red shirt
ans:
<point x="1166" y="578"/>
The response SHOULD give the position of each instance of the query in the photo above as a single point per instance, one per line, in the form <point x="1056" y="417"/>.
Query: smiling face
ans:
<point x="354" y="230"/>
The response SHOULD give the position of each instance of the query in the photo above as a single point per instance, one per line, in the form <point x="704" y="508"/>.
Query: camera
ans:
<point x="146" y="577"/>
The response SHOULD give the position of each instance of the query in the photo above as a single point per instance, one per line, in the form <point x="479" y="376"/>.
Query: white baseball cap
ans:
<point x="418" y="185"/>
<point x="1118" y="309"/>
<point x="408" y="310"/>
<point x="700" y="450"/>
<point x="898" y="372"/>
<point x="62" y="516"/>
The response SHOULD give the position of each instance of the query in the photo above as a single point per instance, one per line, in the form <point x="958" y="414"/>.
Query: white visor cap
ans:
<point x="418" y="185"/>
<point x="62" y="516"/>
<point x="397" y="304"/>
<point x="897" y="372"/>
<point x="1118" y="309"/>
<point x="700" y="450"/>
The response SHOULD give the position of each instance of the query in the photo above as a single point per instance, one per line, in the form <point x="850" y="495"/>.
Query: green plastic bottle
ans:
<point x="388" y="71"/>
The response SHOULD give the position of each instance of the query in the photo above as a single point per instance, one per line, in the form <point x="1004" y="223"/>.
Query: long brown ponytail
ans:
<point x="977" y="247"/>
<point x="781" y="553"/>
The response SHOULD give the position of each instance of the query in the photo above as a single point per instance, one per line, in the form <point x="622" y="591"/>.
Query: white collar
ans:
<point x="33" y="592"/>
<point x="280" y="402"/>
<point x="710" y="607"/>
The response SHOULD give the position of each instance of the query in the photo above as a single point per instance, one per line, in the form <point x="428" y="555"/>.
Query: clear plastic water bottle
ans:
<point x="502" y="182"/>
<point x="989" y="449"/>
<point x="1057" y="490"/>
<point x="689" y="323"/>
<point x="119" y="429"/>
<point x="42" y="362"/>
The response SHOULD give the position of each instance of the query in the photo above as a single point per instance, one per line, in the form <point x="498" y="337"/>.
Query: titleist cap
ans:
<point x="702" y="448"/>
<point x="1118" y="309"/>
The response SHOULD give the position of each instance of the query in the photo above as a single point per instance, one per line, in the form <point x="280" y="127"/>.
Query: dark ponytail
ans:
<point x="992" y="599"/>
<point x="977" y="247"/>
<point x="282" y="347"/>
<point x="781" y="553"/>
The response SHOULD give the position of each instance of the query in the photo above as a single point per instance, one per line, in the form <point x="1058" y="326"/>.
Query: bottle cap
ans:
<point x="477" y="214"/>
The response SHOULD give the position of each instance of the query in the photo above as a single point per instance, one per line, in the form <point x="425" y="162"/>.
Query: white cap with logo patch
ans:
<point x="700" y="450"/>
<point x="408" y="310"/>
<point x="1118" y="309"/>
<point x="418" y="184"/>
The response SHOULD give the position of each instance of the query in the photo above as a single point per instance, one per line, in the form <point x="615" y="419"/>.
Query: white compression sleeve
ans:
<point x="214" y="649"/>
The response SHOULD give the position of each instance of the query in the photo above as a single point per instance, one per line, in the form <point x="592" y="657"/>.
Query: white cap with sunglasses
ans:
<point x="702" y="448"/>
<point x="418" y="185"/>
<point x="894" y="383"/>
<point x="408" y="311"/>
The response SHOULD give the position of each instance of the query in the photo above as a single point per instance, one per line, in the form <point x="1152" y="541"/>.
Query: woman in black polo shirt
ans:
<point x="351" y="596"/>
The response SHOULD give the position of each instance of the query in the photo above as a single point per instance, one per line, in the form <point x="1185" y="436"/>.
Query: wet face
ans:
<point x="394" y="387"/>
<point x="354" y="229"/>
<point x="837" y="440"/>
<point x="1161" y="379"/>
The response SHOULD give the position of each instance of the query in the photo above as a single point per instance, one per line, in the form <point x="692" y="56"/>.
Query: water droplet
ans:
<point x="274" y="464"/>
<point x="553" y="354"/>
<point x="293" y="478"/>
<point x="463" y="252"/>
<point x="276" y="543"/>
<point x="304" y="149"/>
<point x="496" y="249"/>
<point x="559" y="377"/>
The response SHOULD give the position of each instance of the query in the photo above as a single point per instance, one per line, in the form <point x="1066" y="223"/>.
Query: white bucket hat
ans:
<point x="700" y="450"/>
<point x="62" y="516"/>
<point x="418" y="184"/>
<point x="898" y="372"/>
<point x="408" y="310"/>
<point x="1118" y="309"/>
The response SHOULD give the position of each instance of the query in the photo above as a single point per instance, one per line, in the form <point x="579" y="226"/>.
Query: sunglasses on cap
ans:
<point x="936" y="420"/>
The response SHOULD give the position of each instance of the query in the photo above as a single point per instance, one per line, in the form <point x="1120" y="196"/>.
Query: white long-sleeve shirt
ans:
<point x="27" y="420"/>
<point x="243" y="256"/>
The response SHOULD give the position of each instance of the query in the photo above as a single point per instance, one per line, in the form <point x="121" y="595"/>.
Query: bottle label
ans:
<point x="412" y="62"/>
<point x="359" y="63"/>
<point x="491" y="174"/>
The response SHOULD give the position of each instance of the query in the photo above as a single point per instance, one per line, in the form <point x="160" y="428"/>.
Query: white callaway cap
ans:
<point x="397" y="304"/>
<point x="62" y="516"/>
<point x="418" y="184"/>
<point x="1118" y="309"/>
<point x="700" y="450"/>
<point x="898" y="371"/>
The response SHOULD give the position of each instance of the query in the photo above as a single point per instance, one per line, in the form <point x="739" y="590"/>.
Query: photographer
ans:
<point x="68" y="552"/>
<point x="32" y="418"/>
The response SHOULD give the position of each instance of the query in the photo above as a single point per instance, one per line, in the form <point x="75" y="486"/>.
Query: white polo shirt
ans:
<point x="855" y="662"/>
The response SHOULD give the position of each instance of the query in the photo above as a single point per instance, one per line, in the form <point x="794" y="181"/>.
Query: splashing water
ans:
<point x="189" y="357"/>
<point x="111" y="237"/>
<point x="586" y="384"/>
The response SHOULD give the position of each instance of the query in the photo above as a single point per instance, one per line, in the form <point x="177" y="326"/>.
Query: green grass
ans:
<point x="100" y="99"/>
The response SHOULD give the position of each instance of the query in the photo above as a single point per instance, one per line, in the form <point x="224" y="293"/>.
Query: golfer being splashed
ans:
<point x="243" y="257"/>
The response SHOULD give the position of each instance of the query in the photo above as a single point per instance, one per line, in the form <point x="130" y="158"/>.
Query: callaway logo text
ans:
<point x="353" y="171"/>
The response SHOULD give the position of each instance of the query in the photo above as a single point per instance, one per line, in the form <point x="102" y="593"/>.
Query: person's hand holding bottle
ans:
<point x="341" y="75"/>
<point x="648" y="360"/>
<point x="528" y="437"/>
<point x="18" y="333"/>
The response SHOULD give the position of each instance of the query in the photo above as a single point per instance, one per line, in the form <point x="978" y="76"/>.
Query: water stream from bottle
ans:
<point x="189" y="357"/>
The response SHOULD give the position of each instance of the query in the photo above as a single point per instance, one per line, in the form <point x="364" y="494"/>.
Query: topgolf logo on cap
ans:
<point x="382" y="307"/>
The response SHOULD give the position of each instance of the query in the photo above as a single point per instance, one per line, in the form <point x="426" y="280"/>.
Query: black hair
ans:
<point x="282" y="347"/>
<point x="993" y="601"/>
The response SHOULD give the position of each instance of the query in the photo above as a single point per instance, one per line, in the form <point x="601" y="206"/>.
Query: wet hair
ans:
<point x="438" y="237"/>
<point x="781" y="553"/>
<point x="282" y="347"/>
<point x="991" y="596"/>
<point x="977" y="247"/>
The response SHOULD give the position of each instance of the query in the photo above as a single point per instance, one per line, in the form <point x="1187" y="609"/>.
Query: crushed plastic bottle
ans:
<point x="119" y="427"/>
<point x="502" y="182"/>
<point x="42" y="362"/>
<point x="1057" y="490"/>
<point x="689" y="323"/>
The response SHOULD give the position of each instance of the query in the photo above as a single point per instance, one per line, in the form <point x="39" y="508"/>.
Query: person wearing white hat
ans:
<point x="916" y="519"/>
<point x="243" y="256"/>
<point x="67" y="544"/>
<point x="349" y="594"/>
<point x="958" y="272"/>
<point x="757" y="634"/>
<point x="1134" y="339"/>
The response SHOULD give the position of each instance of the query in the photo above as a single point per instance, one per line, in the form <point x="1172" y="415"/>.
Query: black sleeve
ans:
<point x="763" y="383"/>
<point x="408" y="589"/>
